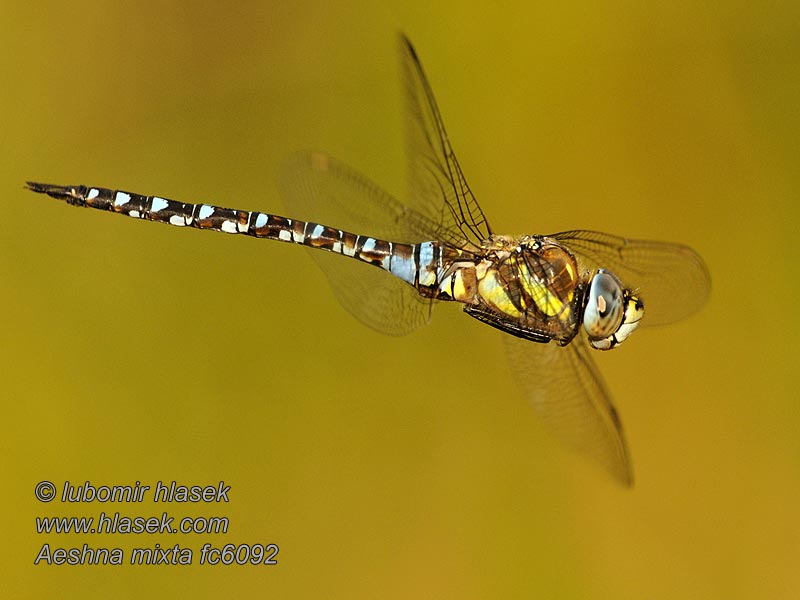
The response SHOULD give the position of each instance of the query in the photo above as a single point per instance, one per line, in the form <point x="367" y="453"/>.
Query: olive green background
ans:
<point x="408" y="467"/>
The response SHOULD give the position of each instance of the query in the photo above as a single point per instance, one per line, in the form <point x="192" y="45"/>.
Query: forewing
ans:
<point x="317" y="188"/>
<point x="566" y="390"/>
<point x="671" y="279"/>
<point x="437" y="186"/>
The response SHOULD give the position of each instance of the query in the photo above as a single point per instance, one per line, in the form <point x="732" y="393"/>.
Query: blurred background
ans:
<point x="132" y="351"/>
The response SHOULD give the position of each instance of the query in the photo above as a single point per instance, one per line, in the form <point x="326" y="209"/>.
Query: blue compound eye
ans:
<point x="604" y="306"/>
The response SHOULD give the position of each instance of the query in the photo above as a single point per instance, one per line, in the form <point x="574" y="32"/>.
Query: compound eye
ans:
<point x="604" y="310"/>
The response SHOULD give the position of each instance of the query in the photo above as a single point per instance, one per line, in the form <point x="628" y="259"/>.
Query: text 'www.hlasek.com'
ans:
<point x="115" y="522"/>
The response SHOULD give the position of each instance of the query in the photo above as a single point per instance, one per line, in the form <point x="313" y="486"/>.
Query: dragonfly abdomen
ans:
<point x="419" y="264"/>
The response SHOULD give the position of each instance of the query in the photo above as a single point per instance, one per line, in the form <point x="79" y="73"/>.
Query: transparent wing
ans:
<point x="437" y="187"/>
<point x="317" y="188"/>
<point x="568" y="393"/>
<point x="376" y="298"/>
<point x="441" y="207"/>
<point x="672" y="279"/>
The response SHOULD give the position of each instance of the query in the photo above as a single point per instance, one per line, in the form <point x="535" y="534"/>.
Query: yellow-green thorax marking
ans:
<point x="529" y="285"/>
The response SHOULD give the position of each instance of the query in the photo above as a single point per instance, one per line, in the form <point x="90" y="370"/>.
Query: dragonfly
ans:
<point x="559" y="296"/>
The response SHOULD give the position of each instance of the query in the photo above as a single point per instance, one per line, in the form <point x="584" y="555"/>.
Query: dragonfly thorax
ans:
<point x="528" y="286"/>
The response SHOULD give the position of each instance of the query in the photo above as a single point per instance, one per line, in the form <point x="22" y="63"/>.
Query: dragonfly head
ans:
<point x="611" y="312"/>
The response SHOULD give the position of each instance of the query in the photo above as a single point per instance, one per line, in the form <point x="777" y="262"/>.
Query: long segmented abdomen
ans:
<point x="417" y="264"/>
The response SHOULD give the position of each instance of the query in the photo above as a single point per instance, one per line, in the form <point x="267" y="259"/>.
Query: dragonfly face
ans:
<point x="611" y="313"/>
<point x="438" y="246"/>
